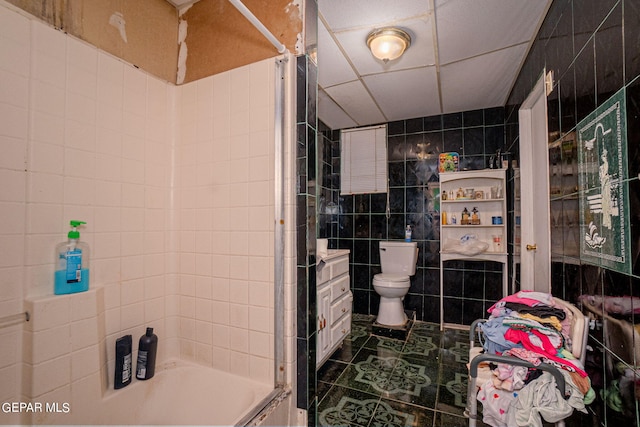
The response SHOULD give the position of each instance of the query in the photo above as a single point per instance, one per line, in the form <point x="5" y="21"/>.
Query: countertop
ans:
<point x="333" y="253"/>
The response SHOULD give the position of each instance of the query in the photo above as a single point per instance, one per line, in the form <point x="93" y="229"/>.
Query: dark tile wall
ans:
<point x="359" y="222"/>
<point x="328" y="183"/>
<point x="592" y="48"/>
<point x="306" y="88"/>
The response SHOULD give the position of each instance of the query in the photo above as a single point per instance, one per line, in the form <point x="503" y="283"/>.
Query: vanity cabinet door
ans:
<point x="323" y="344"/>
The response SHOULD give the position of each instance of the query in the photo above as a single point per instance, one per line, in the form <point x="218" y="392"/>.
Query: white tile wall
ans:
<point x="64" y="104"/>
<point x="85" y="136"/>
<point x="226" y="151"/>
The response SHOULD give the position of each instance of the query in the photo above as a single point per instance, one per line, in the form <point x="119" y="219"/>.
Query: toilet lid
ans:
<point x="391" y="277"/>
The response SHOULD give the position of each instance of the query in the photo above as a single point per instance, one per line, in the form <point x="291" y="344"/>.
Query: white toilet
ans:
<point x="398" y="261"/>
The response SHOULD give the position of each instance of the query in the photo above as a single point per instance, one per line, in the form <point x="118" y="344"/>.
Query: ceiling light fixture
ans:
<point x="388" y="44"/>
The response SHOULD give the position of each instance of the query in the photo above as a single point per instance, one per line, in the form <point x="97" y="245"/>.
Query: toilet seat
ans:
<point x="391" y="279"/>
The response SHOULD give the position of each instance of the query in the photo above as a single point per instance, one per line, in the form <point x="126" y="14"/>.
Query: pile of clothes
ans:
<point x="534" y="327"/>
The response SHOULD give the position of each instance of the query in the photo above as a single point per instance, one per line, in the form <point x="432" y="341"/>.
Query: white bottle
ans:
<point x="407" y="234"/>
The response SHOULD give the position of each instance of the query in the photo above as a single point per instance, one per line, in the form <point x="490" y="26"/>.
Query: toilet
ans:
<point x="398" y="261"/>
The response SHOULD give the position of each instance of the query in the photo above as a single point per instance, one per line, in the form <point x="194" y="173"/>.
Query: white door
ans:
<point x="535" y="249"/>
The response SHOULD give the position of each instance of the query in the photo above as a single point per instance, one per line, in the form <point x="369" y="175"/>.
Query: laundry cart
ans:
<point x="527" y="362"/>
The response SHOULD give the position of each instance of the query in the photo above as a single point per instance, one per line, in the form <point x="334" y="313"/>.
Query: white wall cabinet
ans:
<point x="335" y="302"/>
<point x="484" y="190"/>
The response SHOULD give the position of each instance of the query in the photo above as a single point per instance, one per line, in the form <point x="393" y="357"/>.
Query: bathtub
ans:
<point x="179" y="394"/>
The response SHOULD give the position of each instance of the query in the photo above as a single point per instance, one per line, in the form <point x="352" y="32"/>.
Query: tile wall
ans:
<point x="361" y="223"/>
<point x="306" y="71"/>
<point x="225" y="236"/>
<point x="592" y="48"/>
<point x="176" y="187"/>
<point x="84" y="136"/>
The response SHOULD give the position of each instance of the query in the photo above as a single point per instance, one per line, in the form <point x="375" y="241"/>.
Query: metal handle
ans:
<point x="532" y="247"/>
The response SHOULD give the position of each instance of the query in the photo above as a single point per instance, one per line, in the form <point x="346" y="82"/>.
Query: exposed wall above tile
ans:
<point x="216" y="37"/>
<point x="219" y="38"/>
<point x="143" y="33"/>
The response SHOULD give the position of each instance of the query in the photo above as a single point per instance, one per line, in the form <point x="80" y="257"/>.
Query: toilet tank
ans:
<point x="399" y="257"/>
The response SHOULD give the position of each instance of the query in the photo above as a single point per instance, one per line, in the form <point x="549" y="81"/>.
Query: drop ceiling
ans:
<point x="464" y="55"/>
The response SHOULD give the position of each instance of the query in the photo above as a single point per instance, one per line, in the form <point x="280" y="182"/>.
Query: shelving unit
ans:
<point x="490" y="205"/>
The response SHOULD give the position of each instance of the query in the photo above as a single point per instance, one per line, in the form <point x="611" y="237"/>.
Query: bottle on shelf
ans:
<point x="72" y="263"/>
<point x="147" y="349"/>
<point x="465" y="217"/>
<point x="475" y="217"/>
<point x="407" y="234"/>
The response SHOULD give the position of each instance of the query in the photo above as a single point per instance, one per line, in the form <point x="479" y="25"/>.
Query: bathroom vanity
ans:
<point x="334" y="303"/>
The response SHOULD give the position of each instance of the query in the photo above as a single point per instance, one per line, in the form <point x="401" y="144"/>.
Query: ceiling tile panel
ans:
<point x="478" y="52"/>
<point x="340" y="14"/>
<point x="420" y="53"/>
<point x="406" y="94"/>
<point x="356" y="102"/>
<point x="335" y="67"/>
<point x="331" y="114"/>
<point x="470" y="28"/>
<point x="481" y="82"/>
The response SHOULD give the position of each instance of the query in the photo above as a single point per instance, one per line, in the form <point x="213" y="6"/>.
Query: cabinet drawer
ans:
<point x="340" y="266"/>
<point x="323" y="273"/>
<point x="341" y="329"/>
<point x="341" y="307"/>
<point x="332" y="269"/>
<point x="339" y="287"/>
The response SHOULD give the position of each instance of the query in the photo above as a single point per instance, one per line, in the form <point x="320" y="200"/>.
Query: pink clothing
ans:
<point x="539" y="296"/>
<point x="523" y="338"/>
<point x="529" y="298"/>
<point x="546" y="343"/>
<point x="567" y="324"/>
<point x="524" y="354"/>
<point x="508" y="377"/>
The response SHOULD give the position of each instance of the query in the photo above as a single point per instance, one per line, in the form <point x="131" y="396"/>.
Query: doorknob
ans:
<point x="532" y="247"/>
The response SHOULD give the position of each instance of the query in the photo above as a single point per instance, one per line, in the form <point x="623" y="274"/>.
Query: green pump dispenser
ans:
<point x="72" y="263"/>
<point x="75" y="234"/>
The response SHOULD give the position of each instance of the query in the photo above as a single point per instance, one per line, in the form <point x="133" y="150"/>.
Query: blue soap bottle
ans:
<point x="72" y="263"/>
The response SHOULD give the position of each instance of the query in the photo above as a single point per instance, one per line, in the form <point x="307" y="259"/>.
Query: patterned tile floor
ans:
<point x="376" y="381"/>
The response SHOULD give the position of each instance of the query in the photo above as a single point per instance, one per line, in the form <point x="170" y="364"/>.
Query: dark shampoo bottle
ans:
<point x="147" y="348"/>
<point x="124" y="362"/>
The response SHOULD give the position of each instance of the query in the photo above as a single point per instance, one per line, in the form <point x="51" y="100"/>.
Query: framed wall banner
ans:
<point x="604" y="192"/>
